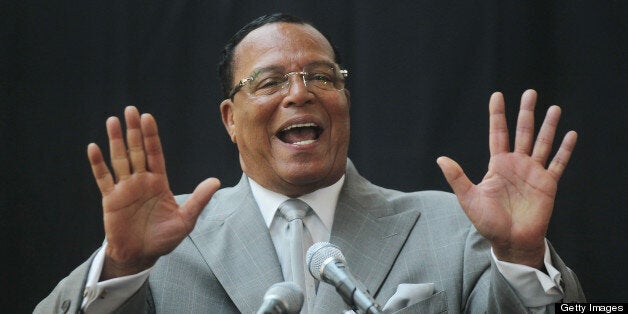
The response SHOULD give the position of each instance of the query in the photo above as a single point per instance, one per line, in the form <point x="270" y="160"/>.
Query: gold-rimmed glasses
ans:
<point x="319" y="76"/>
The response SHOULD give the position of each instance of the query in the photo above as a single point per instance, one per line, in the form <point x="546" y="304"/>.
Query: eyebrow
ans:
<point x="280" y="69"/>
<point x="272" y="68"/>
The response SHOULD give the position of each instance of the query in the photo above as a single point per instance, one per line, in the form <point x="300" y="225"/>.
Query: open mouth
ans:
<point x="300" y="134"/>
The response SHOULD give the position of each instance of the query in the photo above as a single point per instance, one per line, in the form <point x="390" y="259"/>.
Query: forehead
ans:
<point x="286" y="45"/>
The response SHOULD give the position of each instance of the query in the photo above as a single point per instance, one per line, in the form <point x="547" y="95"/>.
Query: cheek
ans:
<point x="341" y="133"/>
<point x="339" y="116"/>
<point x="251" y="125"/>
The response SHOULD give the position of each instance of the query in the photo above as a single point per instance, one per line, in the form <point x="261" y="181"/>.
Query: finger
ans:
<point x="455" y="176"/>
<point x="559" y="162"/>
<point x="117" y="149"/>
<point x="525" y="123"/>
<point x="134" y="139"/>
<point x="498" y="129"/>
<point x="545" y="138"/>
<point x="152" y="144"/>
<point x="103" y="177"/>
<point x="199" y="199"/>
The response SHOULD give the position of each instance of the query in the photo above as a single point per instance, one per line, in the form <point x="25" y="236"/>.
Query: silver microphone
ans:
<point x="326" y="263"/>
<point x="282" y="298"/>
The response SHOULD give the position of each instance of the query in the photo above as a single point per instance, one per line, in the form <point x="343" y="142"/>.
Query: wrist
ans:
<point x="114" y="269"/>
<point x="532" y="257"/>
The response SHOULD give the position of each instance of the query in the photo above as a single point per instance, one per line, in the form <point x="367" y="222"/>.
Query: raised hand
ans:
<point x="513" y="204"/>
<point x="142" y="220"/>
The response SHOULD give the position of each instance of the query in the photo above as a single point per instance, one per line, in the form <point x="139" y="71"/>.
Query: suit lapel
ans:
<point x="370" y="234"/>
<point x="237" y="247"/>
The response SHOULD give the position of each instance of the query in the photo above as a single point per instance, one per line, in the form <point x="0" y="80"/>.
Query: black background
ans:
<point x="421" y="73"/>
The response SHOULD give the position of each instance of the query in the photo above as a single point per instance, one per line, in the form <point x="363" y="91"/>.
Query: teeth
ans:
<point x="301" y="125"/>
<point x="304" y="142"/>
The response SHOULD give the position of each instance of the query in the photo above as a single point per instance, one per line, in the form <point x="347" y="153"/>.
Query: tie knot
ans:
<point x="294" y="209"/>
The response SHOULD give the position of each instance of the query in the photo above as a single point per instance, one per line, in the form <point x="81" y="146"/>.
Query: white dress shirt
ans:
<point x="535" y="288"/>
<point x="323" y="203"/>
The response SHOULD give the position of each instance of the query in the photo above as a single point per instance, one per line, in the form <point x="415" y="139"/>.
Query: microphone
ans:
<point x="326" y="263"/>
<point x="282" y="298"/>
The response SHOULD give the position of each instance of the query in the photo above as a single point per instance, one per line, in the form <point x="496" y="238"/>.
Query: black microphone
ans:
<point x="282" y="298"/>
<point x="326" y="263"/>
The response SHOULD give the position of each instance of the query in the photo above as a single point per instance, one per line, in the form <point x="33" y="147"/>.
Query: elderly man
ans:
<point x="287" y="110"/>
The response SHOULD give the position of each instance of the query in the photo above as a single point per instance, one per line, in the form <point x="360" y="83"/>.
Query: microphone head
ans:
<point x="318" y="254"/>
<point x="288" y="293"/>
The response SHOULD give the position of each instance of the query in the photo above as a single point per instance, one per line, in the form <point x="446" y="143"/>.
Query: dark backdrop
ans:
<point x="421" y="76"/>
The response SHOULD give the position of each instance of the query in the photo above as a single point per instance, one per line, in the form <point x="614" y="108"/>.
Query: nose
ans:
<point x="294" y="78"/>
<point x="297" y="92"/>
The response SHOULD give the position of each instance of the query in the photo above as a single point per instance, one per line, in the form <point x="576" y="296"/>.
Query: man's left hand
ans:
<point x="513" y="204"/>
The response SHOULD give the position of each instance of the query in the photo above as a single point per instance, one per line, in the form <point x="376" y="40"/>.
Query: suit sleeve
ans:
<point x="67" y="296"/>
<point x="491" y="292"/>
<point x="570" y="283"/>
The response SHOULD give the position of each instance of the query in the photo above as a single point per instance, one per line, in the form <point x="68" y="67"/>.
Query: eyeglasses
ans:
<point x="270" y="81"/>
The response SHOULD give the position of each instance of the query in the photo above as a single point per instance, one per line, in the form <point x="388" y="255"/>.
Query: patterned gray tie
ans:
<point x="294" y="210"/>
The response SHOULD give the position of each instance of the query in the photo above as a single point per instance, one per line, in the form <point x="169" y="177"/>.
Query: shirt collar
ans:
<point x="322" y="201"/>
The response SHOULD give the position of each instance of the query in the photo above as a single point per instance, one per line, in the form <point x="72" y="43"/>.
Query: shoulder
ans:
<point x="427" y="198"/>
<point x="224" y="203"/>
<point x="221" y="195"/>
<point x="368" y="195"/>
<point x="432" y="204"/>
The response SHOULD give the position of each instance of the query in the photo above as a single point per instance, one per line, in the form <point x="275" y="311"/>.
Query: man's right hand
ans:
<point x="142" y="219"/>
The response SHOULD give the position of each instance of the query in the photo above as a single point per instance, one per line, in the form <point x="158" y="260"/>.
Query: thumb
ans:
<point x="199" y="198"/>
<point x="455" y="176"/>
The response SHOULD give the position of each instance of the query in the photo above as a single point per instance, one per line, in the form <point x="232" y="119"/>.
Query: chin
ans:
<point x="309" y="176"/>
<point x="303" y="173"/>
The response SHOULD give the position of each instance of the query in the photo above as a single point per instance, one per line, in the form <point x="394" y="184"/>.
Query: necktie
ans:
<point x="294" y="210"/>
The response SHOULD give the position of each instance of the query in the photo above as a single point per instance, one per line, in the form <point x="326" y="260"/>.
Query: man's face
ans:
<point x="313" y="153"/>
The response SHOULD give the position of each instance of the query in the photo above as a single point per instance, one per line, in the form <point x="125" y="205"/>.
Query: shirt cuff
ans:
<point x="105" y="296"/>
<point x="534" y="287"/>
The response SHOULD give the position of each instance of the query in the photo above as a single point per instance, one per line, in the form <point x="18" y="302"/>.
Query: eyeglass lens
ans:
<point x="269" y="82"/>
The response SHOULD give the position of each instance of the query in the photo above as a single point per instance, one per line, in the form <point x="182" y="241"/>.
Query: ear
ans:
<point x="226" y="111"/>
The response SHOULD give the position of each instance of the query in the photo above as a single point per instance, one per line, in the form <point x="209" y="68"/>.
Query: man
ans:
<point x="287" y="111"/>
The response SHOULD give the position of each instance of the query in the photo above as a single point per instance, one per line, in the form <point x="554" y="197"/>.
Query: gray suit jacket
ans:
<point x="388" y="237"/>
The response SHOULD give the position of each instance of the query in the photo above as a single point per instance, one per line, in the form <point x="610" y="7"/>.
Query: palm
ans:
<point x="142" y="214"/>
<point x="142" y="219"/>
<point x="513" y="200"/>
<point x="513" y="204"/>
